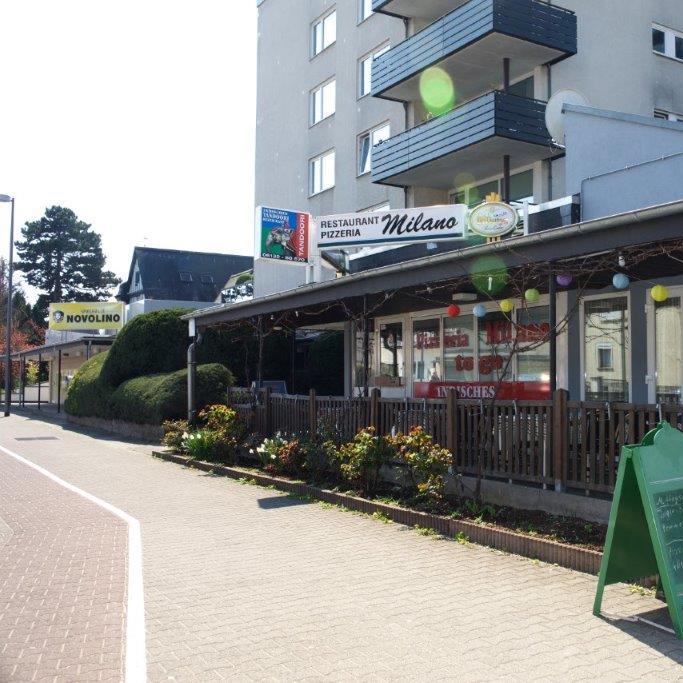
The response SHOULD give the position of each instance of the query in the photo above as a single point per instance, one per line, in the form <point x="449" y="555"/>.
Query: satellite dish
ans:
<point x="554" y="116"/>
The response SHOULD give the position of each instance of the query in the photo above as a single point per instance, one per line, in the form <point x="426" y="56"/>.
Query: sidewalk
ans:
<point x="244" y="583"/>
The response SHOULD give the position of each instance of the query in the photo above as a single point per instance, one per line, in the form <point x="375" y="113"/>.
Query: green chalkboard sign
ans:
<point x="645" y="533"/>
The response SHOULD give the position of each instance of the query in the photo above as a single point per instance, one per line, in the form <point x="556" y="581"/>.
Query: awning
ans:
<point x="48" y="351"/>
<point x="340" y="299"/>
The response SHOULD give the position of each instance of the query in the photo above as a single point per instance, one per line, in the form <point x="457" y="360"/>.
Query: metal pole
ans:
<point x="22" y="381"/>
<point x="59" y="381"/>
<point x="506" y="178"/>
<point x="552" y="319"/>
<point x="40" y="367"/>
<point x="8" y="330"/>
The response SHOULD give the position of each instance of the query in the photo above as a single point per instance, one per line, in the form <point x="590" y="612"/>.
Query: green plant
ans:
<point x="382" y="517"/>
<point x="319" y="460"/>
<point x="462" y="538"/>
<point x="427" y="463"/>
<point x="362" y="459"/>
<point x="200" y="444"/>
<point x="426" y="531"/>
<point x="32" y="372"/>
<point x="174" y="431"/>
<point x="88" y="396"/>
<point x="227" y="428"/>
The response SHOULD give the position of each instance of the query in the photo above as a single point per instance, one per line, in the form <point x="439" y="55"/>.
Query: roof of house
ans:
<point x="174" y="275"/>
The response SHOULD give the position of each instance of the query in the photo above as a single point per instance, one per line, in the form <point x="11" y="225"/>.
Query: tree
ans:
<point x="62" y="257"/>
<point x="25" y="318"/>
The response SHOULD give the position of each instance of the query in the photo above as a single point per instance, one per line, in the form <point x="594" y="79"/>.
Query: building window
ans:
<point x="390" y="355"/>
<point x="364" y="9"/>
<point x="667" y="42"/>
<point x="521" y="190"/>
<point x="365" y="70"/>
<point x="667" y="115"/>
<point x="427" y="350"/>
<point x="523" y="88"/>
<point x="185" y="276"/>
<point x="365" y="144"/>
<point x="206" y="279"/>
<point x="606" y="335"/>
<point x="360" y="353"/>
<point x="458" y="351"/>
<point x="533" y="343"/>
<point x="324" y="33"/>
<point x="321" y="173"/>
<point x="668" y="347"/>
<point x="323" y="101"/>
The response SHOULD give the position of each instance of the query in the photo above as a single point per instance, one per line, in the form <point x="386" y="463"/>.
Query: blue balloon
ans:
<point x="620" y="281"/>
<point x="479" y="310"/>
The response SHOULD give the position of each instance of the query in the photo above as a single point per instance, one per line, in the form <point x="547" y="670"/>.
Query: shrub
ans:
<point x="427" y="463"/>
<point x="319" y="461"/>
<point x="200" y="444"/>
<point x="88" y="396"/>
<point x="174" y="431"/>
<point x="149" y="344"/>
<point x="362" y="459"/>
<point x="268" y="453"/>
<point x="227" y="428"/>
<point x="154" y="398"/>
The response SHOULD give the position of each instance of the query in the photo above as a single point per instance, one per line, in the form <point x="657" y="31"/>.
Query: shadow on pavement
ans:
<point x="662" y="641"/>
<point x="275" y="502"/>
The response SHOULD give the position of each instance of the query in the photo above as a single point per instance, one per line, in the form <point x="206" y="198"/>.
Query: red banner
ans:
<point x="523" y="391"/>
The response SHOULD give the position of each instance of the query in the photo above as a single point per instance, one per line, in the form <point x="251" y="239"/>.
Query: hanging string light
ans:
<point x="506" y="305"/>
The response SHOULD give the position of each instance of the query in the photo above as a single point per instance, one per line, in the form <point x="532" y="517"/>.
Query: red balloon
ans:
<point x="454" y="310"/>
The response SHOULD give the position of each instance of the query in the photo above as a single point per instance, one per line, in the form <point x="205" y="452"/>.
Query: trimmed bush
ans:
<point x="88" y="396"/>
<point x="149" y="344"/>
<point x="151" y="399"/>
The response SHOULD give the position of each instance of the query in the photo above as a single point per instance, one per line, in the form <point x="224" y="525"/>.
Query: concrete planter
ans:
<point x="129" y="430"/>
<point x="571" y="557"/>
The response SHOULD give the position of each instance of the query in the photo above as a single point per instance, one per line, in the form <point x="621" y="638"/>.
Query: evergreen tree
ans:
<point x="62" y="257"/>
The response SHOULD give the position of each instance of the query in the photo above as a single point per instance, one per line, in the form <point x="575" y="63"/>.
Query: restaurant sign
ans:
<point x="509" y="391"/>
<point x="89" y="315"/>
<point x="493" y="219"/>
<point x="282" y="235"/>
<point x="428" y="224"/>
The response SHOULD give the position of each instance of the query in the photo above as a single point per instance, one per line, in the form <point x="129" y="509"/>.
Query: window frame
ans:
<point x="381" y="49"/>
<point x="368" y="134"/>
<point x="320" y="21"/>
<point x="361" y="16"/>
<point x="664" y="115"/>
<point x="670" y="37"/>
<point x="312" y="108"/>
<point x="483" y="181"/>
<point x="312" y="192"/>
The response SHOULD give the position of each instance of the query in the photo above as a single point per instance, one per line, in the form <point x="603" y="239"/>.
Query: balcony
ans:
<point x="423" y="10"/>
<point x="471" y="139"/>
<point x="471" y="42"/>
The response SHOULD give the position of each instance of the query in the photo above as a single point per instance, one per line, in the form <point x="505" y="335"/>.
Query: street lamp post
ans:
<point x="8" y="331"/>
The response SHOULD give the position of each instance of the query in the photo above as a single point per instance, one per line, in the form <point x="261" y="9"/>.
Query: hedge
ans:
<point x="149" y="399"/>
<point x="149" y="344"/>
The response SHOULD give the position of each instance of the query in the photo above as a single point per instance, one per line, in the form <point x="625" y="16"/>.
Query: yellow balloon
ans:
<point x="506" y="305"/>
<point x="659" y="293"/>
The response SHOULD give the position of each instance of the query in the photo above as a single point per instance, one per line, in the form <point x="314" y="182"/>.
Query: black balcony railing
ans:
<point x="496" y="114"/>
<point x="536" y="22"/>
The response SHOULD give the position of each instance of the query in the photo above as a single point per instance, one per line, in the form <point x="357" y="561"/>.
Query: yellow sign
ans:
<point x="87" y="315"/>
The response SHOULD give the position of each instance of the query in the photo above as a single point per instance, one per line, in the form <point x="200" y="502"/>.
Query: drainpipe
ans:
<point x="552" y="319"/>
<point x="192" y="380"/>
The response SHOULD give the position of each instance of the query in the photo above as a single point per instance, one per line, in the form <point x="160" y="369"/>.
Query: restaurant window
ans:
<point x="533" y="359"/>
<point x="390" y="355"/>
<point x="494" y="341"/>
<point x="427" y="350"/>
<point x="668" y="350"/>
<point x="606" y="326"/>
<point x="458" y="342"/>
<point x="360" y="353"/>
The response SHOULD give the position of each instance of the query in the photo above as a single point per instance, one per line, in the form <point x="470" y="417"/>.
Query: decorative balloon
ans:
<point x="564" y="279"/>
<point x="479" y="310"/>
<point x="506" y="305"/>
<point x="620" y="281"/>
<point x="659" y="293"/>
<point x="532" y="295"/>
<point x="454" y="310"/>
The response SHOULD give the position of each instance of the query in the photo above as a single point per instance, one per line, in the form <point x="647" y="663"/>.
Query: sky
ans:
<point x="138" y="115"/>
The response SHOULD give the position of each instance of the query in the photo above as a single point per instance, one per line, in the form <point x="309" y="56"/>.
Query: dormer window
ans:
<point x="185" y="276"/>
<point x="206" y="279"/>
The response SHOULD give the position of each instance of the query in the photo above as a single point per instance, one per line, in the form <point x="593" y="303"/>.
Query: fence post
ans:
<point x="374" y="409"/>
<point x="312" y="413"/>
<point x="452" y="420"/>
<point x="560" y="437"/>
<point x="267" y="412"/>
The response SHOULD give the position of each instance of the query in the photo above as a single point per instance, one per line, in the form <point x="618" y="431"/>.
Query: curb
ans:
<point x="552" y="552"/>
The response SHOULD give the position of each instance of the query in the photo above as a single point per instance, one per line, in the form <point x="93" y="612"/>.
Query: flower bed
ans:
<point x="353" y="471"/>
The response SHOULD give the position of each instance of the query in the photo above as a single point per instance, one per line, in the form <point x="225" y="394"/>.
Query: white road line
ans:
<point x="136" y="661"/>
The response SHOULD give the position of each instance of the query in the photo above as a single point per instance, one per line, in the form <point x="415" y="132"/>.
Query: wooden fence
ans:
<point x="571" y="445"/>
